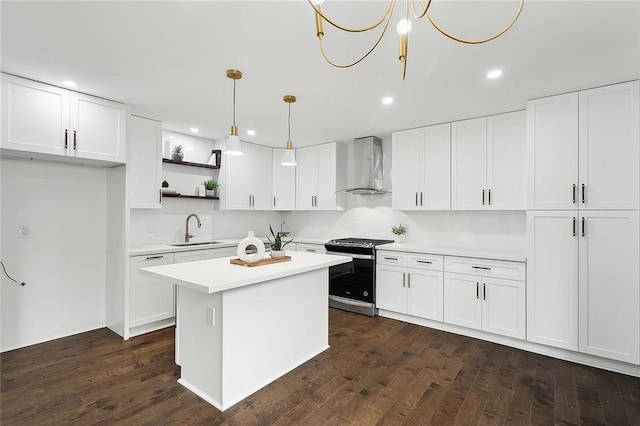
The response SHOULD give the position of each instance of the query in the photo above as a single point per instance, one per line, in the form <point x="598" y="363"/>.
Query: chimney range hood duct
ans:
<point x="368" y="166"/>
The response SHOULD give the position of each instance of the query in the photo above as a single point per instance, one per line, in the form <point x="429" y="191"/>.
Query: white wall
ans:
<point x="63" y="261"/>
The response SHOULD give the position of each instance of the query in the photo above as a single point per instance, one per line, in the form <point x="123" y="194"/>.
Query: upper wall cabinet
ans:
<point x="144" y="166"/>
<point x="320" y="175"/>
<point x="38" y="118"/>
<point x="487" y="163"/>
<point x="284" y="183"/>
<point x="583" y="149"/>
<point x="247" y="179"/>
<point x="421" y="168"/>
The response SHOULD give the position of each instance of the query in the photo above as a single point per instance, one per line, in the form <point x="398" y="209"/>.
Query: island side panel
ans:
<point x="200" y="344"/>
<point x="271" y="328"/>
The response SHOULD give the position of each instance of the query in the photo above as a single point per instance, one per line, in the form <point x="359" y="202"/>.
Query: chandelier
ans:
<point x="418" y="11"/>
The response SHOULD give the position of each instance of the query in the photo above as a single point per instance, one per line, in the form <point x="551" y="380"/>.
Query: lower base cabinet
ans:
<point x="486" y="302"/>
<point x="149" y="299"/>
<point x="410" y="283"/>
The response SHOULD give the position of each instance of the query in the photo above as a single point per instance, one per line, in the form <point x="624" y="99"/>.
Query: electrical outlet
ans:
<point x="152" y="228"/>
<point x="24" y="231"/>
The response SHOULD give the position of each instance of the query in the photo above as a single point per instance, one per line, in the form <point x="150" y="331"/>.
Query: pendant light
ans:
<point x="233" y="146"/>
<point x="289" y="158"/>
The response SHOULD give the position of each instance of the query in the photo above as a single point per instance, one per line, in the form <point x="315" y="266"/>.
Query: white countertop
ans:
<point x="483" y="253"/>
<point x="215" y="275"/>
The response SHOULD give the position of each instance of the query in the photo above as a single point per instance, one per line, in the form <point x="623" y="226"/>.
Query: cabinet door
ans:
<point x="405" y="170"/>
<point x="425" y="296"/>
<point x="150" y="299"/>
<point x="552" y="280"/>
<point x="469" y="164"/>
<point x="462" y="300"/>
<point x="284" y="183"/>
<point x="506" y="142"/>
<point x="26" y="102"/>
<point x="236" y="191"/>
<point x="144" y="165"/>
<point x="223" y="252"/>
<point x="552" y="152"/>
<point x="261" y="159"/>
<point x="97" y="129"/>
<point x="326" y="177"/>
<point x="609" y="285"/>
<point x="609" y="149"/>
<point x="503" y="307"/>
<point x="391" y="288"/>
<point x="306" y="177"/>
<point x="193" y="255"/>
<point x="435" y="168"/>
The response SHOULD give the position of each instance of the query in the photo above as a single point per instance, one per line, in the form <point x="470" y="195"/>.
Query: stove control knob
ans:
<point x="365" y="293"/>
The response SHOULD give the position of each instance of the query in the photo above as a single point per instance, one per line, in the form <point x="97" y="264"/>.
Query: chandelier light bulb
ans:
<point x="404" y="26"/>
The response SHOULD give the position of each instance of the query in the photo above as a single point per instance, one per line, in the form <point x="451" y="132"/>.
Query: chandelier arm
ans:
<point x="484" y="40"/>
<point x="386" y="15"/>
<point x="424" y="12"/>
<point x="326" y="58"/>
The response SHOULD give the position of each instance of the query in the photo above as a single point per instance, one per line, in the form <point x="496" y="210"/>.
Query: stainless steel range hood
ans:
<point x="368" y="166"/>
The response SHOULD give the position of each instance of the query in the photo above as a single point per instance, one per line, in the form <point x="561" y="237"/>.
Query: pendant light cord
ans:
<point x="289" y="122"/>
<point x="9" y="276"/>
<point x="234" y="102"/>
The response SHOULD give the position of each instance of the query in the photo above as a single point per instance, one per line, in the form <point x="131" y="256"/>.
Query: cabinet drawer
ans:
<point x="384" y="257"/>
<point x="432" y="262"/>
<point x="312" y="248"/>
<point x="485" y="267"/>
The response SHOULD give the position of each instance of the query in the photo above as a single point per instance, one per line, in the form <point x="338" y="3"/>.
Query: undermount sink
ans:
<point x="199" y="243"/>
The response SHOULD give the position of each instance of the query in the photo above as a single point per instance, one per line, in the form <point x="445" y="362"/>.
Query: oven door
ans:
<point x="354" y="280"/>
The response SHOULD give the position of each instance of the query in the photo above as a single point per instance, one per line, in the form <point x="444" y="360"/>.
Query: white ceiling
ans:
<point x="168" y="61"/>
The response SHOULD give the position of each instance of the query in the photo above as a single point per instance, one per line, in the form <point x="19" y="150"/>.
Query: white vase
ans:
<point x="277" y="254"/>
<point x="251" y="240"/>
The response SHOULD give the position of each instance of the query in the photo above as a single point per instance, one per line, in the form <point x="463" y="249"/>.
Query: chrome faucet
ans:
<point x="187" y="235"/>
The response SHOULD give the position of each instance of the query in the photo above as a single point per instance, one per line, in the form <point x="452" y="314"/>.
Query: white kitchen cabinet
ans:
<point x="144" y="165"/>
<point x="583" y="149"/>
<point x="488" y="163"/>
<point x="583" y="275"/>
<point x="311" y="248"/>
<point x="247" y="179"/>
<point x="485" y="295"/>
<point x="320" y="174"/>
<point x="410" y="283"/>
<point x="70" y="124"/>
<point x="284" y="183"/>
<point x="150" y="299"/>
<point x="421" y="168"/>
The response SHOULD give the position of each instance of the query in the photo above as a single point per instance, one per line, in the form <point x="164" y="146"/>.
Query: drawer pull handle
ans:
<point x="424" y="261"/>
<point x="390" y="258"/>
<point x="486" y="268"/>
<point x="154" y="257"/>
<point x="311" y="250"/>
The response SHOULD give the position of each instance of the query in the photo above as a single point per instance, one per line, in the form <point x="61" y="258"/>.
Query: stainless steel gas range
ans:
<point x="352" y="286"/>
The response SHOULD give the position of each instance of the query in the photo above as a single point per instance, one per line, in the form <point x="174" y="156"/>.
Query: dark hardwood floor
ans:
<point x="378" y="371"/>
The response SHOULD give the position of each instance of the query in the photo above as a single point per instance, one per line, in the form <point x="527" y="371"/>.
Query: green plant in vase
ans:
<point x="399" y="231"/>
<point x="277" y="243"/>
<point x="178" y="153"/>
<point x="211" y="187"/>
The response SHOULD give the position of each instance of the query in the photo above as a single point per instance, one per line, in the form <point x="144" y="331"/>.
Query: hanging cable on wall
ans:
<point x="9" y="276"/>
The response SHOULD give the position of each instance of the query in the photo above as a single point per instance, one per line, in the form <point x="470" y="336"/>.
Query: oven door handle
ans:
<point x="354" y="256"/>
<point x="350" y="301"/>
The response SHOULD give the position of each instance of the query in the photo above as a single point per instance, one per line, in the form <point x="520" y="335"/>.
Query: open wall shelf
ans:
<point x="217" y="152"/>
<point x="189" y="196"/>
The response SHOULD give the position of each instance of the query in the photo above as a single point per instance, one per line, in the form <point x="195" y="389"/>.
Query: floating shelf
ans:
<point x="217" y="152"/>
<point x="189" y="196"/>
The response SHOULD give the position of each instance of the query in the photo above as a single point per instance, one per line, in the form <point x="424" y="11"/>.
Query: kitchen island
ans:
<point x="240" y="328"/>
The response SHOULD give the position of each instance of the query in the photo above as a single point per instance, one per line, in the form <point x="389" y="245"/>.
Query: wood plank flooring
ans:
<point x="377" y="372"/>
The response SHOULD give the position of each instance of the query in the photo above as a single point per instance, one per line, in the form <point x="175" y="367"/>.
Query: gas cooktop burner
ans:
<point x="356" y="242"/>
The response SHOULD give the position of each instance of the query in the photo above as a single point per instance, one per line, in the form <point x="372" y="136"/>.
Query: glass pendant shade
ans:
<point x="233" y="146"/>
<point x="288" y="158"/>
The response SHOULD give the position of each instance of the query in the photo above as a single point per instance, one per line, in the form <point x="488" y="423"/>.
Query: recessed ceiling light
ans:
<point x="251" y="132"/>
<point x="388" y="100"/>
<point x="193" y="130"/>
<point x="172" y="137"/>
<point x="493" y="74"/>
<point x="69" y="83"/>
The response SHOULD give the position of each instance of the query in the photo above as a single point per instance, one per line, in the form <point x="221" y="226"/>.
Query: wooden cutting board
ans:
<point x="267" y="261"/>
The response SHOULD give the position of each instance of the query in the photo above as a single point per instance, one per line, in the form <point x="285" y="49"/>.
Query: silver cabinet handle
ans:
<point x="583" y="226"/>
<point x="390" y="258"/>
<point x="311" y="250"/>
<point x="477" y="291"/>
<point x="159" y="196"/>
<point x="424" y="261"/>
<point x="403" y="278"/>
<point x="483" y="197"/>
<point x="420" y="197"/>
<point x="489" y="197"/>
<point x="75" y="140"/>
<point x="409" y="280"/>
<point x="486" y="268"/>
<point x="573" y="192"/>
<point x="574" y="226"/>
<point x="274" y="201"/>
<point x="583" y="193"/>
<point x="484" y="291"/>
<point x="66" y="138"/>
<point x="416" y="199"/>
<point x="154" y="257"/>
